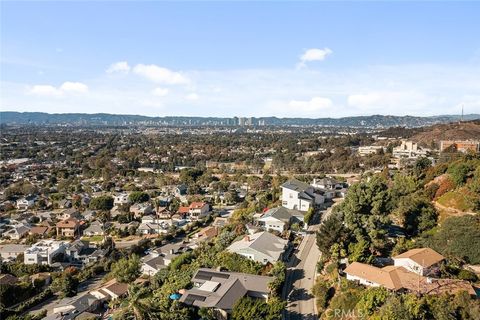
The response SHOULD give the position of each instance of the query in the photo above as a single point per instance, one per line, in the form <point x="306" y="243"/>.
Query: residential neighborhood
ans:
<point x="239" y="160"/>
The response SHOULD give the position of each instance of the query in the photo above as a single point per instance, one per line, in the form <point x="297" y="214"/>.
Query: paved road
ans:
<point x="301" y="275"/>
<point x="54" y="301"/>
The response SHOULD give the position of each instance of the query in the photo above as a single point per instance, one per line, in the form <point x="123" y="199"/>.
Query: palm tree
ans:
<point x="137" y="306"/>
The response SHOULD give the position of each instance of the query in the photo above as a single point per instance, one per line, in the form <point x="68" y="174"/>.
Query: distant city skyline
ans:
<point x="245" y="59"/>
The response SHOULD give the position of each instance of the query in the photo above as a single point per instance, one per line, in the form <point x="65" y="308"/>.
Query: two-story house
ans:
<point x="300" y="195"/>
<point x="68" y="228"/>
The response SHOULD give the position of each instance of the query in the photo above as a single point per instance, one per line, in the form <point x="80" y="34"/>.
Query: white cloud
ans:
<point x="159" y="74"/>
<point x="66" y="88"/>
<point x="314" y="55"/>
<point x="377" y="100"/>
<point x="192" y="97"/>
<point x="45" y="90"/>
<point x="121" y="66"/>
<point x="386" y="89"/>
<point x="312" y="105"/>
<point x="160" y="92"/>
<point x="363" y="100"/>
<point x="74" y="87"/>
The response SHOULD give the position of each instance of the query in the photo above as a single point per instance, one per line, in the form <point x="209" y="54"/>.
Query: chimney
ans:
<point x="246" y="238"/>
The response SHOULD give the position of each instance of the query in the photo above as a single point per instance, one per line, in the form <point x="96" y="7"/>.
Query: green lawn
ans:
<point x="93" y="238"/>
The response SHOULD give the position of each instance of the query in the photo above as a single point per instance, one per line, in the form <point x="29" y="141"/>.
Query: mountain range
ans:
<point x="103" y="119"/>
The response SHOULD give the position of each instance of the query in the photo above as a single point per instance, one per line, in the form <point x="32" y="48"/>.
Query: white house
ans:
<point x="120" y="199"/>
<point x="421" y="261"/>
<point x="279" y="218"/>
<point x="198" y="210"/>
<point x="300" y="195"/>
<point x="43" y="251"/>
<point x="262" y="247"/>
<point x="25" y="203"/>
<point x="152" y="264"/>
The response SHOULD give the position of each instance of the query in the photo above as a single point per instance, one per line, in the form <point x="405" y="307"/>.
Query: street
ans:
<point x="301" y="275"/>
<point x="54" y="301"/>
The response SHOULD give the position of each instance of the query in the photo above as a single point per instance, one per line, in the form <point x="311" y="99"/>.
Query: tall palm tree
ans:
<point x="137" y="306"/>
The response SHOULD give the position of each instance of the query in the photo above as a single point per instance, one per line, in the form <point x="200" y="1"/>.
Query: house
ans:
<point x="44" y="251"/>
<point x="421" y="261"/>
<point x="180" y="190"/>
<point x="65" y="203"/>
<point x="198" y="210"/>
<point x="152" y="264"/>
<point x="183" y="212"/>
<point x="80" y="251"/>
<point x="68" y="228"/>
<point x="399" y="279"/>
<point x="163" y="201"/>
<point x="126" y="226"/>
<point x="161" y="257"/>
<point x="26" y="203"/>
<point x="220" y="290"/>
<point x="141" y="209"/>
<point x="252" y="229"/>
<point x="220" y="222"/>
<point x="71" y="213"/>
<point x="262" y="247"/>
<point x="206" y="233"/>
<point x="94" y="229"/>
<point x="327" y="183"/>
<point x="89" y="215"/>
<point x="10" y="252"/>
<point x="163" y="213"/>
<point x="152" y="228"/>
<point x="300" y="195"/>
<point x="7" y="279"/>
<point x="121" y="199"/>
<point x="84" y="306"/>
<point x="279" y="218"/>
<point x="41" y="231"/>
<point x="17" y="231"/>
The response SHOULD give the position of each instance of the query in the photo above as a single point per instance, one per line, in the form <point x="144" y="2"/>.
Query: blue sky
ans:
<point x="311" y="59"/>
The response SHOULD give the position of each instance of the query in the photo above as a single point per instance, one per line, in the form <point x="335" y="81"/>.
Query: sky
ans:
<point x="284" y="59"/>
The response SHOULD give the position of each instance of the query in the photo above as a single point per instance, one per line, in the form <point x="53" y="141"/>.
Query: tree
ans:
<point x="458" y="237"/>
<point x="103" y="203"/>
<point x="248" y="308"/>
<point x="371" y="300"/>
<point x="308" y="216"/>
<point x="126" y="270"/>
<point x="331" y="231"/>
<point x="416" y="214"/>
<point x="66" y="284"/>
<point x="138" y="305"/>
<point x="138" y="197"/>
<point x="278" y="272"/>
<point x="458" y="172"/>
<point x="421" y="165"/>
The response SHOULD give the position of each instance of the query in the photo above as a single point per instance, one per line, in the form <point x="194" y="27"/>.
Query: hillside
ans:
<point x="448" y="131"/>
